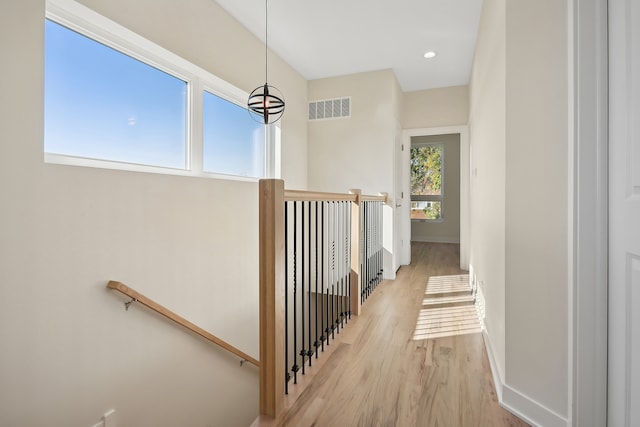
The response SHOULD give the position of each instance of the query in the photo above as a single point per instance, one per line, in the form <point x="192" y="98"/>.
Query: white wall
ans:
<point x="70" y="351"/>
<point x="357" y="152"/>
<point x="448" y="106"/>
<point x="487" y="141"/>
<point x="519" y="205"/>
<point x="537" y="205"/>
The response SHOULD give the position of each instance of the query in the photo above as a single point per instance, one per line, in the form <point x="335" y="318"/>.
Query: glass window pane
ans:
<point x="234" y="143"/>
<point x="426" y="170"/>
<point x="103" y="104"/>
<point x="426" y="210"/>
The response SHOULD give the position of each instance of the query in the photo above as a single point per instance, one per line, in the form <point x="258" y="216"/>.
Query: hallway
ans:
<point x="383" y="372"/>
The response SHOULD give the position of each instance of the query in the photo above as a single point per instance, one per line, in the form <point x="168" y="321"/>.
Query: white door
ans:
<point x="402" y="252"/>
<point x="624" y="213"/>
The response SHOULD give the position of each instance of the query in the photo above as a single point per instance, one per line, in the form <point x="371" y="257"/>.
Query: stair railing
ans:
<point x="321" y="256"/>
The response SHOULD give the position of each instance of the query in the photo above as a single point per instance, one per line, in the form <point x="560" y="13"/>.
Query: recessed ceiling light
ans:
<point x="430" y="54"/>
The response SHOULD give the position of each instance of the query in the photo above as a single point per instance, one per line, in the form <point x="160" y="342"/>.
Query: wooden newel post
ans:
<point x="272" y="264"/>
<point x="356" y="227"/>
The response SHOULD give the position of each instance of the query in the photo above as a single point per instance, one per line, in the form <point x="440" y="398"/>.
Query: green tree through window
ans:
<point x="426" y="167"/>
<point x="426" y="181"/>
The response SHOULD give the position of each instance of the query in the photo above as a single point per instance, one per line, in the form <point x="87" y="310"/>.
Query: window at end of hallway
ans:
<point x="427" y="189"/>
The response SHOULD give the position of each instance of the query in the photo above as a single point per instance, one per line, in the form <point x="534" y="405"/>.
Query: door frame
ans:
<point x="589" y="204"/>
<point x="405" y="217"/>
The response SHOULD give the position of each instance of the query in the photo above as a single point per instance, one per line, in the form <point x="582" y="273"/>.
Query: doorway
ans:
<point x="435" y="188"/>
<point x="403" y="182"/>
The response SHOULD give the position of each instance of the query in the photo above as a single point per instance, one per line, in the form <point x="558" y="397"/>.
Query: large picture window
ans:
<point x="427" y="189"/>
<point x="116" y="100"/>
<point x="234" y="143"/>
<point x="103" y="104"/>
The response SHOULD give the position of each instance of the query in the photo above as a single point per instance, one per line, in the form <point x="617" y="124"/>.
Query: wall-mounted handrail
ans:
<point x="137" y="296"/>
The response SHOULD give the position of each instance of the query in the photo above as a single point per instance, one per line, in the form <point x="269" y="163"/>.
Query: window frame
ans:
<point x="100" y="29"/>
<point x="431" y="198"/>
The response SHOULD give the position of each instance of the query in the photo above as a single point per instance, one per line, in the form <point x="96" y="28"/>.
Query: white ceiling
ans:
<point x="339" y="37"/>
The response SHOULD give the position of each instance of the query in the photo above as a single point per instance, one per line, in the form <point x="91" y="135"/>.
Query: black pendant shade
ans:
<point x="266" y="103"/>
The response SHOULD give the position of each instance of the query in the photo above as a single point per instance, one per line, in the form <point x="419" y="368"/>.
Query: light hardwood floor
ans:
<point x="414" y="357"/>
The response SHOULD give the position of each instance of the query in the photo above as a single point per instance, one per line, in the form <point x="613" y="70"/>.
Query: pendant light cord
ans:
<point x="266" y="43"/>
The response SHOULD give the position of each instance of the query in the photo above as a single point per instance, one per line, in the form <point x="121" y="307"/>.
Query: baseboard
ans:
<point x="529" y="410"/>
<point x="435" y="239"/>
<point x="517" y="403"/>
<point x="495" y="372"/>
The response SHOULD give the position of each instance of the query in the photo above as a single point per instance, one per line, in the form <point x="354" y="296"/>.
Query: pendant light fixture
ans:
<point x="266" y="102"/>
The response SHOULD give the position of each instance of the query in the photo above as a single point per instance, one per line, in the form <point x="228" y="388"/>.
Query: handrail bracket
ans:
<point x="128" y="303"/>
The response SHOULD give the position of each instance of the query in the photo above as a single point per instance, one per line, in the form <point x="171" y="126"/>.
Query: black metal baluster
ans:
<point x="334" y="283"/>
<point x="362" y="254"/>
<point x="295" y="293"/>
<point x="340" y="266"/>
<point x="344" y="264"/>
<point x="373" y="247"/>
<point x="322" y="246"/>
<point x="316" y="344"/>
<point x="369" y="247"/>
<point x="327" y="279"/>
<point x="374" y="244"/>
<point x="303" y="352"/>
<point x="351" y="237"/>
<point x="343" y="278"/>
<point x="378" y="237"/>
<point x="286" y="299"/>
<point x="327" y="254"/>
<point x="347" y="263"/>
<point x="336" y="295"/>
<point x="309" y="351"/>
<point x="374" y="269"/>
<point x="380" y="252"/>
<point x="332" y="270"/>
<point x="347" y="256"/>
<point x="366" y="250"/>
<point x="329" y="268"/>
<point x="365" y="270"/>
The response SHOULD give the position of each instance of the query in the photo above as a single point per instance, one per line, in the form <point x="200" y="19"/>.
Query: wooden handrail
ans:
<point x="299" y="195"/>
<point x="306" y="196"/>
<point x="380" y="198"/>
<point x="137" y="296"/>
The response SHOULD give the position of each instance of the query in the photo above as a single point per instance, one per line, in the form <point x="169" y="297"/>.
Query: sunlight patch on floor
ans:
<point x="444" y="314"/>
<point x="444" y="284"/>
<point x="460" y="299"/>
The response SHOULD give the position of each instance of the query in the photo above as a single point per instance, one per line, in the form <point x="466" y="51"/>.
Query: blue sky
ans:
<point x="102" y="104"/>
<point x="230" y="144"/>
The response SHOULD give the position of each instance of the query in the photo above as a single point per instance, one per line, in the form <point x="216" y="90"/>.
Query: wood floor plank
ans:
<point x="381" y="372"/>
